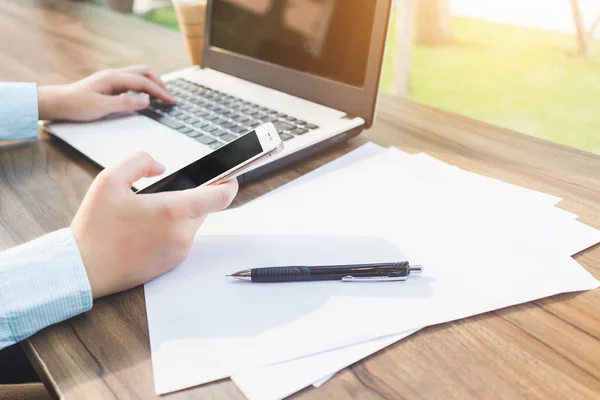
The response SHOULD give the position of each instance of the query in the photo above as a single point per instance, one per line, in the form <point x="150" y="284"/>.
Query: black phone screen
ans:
<point x="210" y="166"/>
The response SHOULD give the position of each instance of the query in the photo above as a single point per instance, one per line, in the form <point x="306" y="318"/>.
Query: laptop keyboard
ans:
<point x="214" y="118"/>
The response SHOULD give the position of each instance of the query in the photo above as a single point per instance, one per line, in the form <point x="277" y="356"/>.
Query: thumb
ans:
<point x="197" y="203"/>
<point x="135" y="167"/>
<point x="126" y="102"/>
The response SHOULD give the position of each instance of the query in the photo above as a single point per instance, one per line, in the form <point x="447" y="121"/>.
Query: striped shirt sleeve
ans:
<point x="44" y="281"/>
<point x="18" y="111"/>
<point x="41" y="283"/>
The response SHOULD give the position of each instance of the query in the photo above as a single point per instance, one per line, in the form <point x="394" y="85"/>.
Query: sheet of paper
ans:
<point x="278" y="381"/>
<point x="361" y="153"/>
<point x="485" y="184"/>
<point x="273" y="382"/>
<point x="239" y="326"/>
<point x="322" y="381"/>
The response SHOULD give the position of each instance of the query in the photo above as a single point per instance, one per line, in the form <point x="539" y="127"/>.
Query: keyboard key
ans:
<point x="186" y="118"/>
<point x="205" y="139"/>
<point x="202" y="113"/>
<point x="215" y="145"/>
<point x="228" y="113"/>
<point x="201" y="124"/>
<point x="292" y="119"/>
<point x="311" y="126"/>
<point x="194" y="121"/>
<point x="185" y="130"/>
<point x="221" y="121"/>
<point x="283" y="126"/>
<point x="253" y="124"/>
<point x="160" y="105"/>
<point x="194" y="134"/>
<point x="228" y="137"/>
<point x="162" y="119"/>
<point x="221" y="110"/>
<point x="285" y="136"/>
<point x="239" y="129"/>
<point x="219" y="132"/>
<point x="213" y="117"/>
<point x="210" y="128"/>
<point x="300" y="122"/>
<point x="298" y="131"/>
<point x="228" y="125"/>
<point x="263" y="109"/>
<point x="168" y="122"/>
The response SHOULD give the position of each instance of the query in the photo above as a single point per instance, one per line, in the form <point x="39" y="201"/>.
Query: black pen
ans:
<point x="380" y="272"/>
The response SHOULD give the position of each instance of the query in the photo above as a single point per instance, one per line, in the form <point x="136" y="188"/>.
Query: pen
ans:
<point x="379" y="272"/>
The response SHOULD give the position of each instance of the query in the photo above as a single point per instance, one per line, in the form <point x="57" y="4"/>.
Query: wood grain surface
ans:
<point x="548" y="349"/>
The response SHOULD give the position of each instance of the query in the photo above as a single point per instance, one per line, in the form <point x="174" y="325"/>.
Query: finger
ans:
<point x="121" y="82"/>
<point x="124" y="102"/>
<point x="197" y="203"/>
<point x="145" y="71"/>
<point x="133" y="168"/>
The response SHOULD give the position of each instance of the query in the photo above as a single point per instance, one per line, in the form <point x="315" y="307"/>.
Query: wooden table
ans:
<point x="541" y="350"/>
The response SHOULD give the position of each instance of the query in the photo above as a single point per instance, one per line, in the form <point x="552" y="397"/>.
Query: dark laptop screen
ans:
<point x="328" y="38"/>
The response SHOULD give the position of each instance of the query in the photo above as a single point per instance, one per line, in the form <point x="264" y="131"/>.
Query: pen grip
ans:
<point x="281" y="274"/>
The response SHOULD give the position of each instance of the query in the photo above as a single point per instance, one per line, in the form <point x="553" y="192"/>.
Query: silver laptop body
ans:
<point x="313" y="70"/>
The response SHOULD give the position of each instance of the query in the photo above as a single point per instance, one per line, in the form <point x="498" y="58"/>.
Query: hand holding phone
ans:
<point x="225" y="163"/>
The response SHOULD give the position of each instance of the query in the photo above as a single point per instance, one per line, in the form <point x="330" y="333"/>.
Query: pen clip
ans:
<point x="350" y="278"/>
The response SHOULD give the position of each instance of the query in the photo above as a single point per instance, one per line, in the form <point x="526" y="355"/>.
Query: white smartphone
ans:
<point x="226" y="162"/>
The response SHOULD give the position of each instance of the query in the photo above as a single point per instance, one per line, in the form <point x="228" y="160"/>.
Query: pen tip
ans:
<point x="416" y="269"/>
<point x="244" y="275"/>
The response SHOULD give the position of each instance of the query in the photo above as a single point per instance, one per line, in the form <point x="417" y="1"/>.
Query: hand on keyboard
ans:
<point x="214" y="118"/>
<point x="101" y="94"/>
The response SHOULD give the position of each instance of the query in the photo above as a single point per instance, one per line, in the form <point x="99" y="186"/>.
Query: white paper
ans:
<point x="273" y="380"/>
<point x="361" y="153"/>
<point x="280" y="380"/>
<point x="322" y="381"/>
<point x="361" y="214"/>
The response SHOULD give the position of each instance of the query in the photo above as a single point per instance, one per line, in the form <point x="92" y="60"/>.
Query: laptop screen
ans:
<point x="327" y="38"/>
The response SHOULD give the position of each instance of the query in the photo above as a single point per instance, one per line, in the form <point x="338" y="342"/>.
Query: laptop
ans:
<point x="311" y="67"/>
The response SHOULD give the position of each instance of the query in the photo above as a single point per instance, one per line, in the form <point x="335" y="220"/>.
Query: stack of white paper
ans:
<point x="485" y="244"/>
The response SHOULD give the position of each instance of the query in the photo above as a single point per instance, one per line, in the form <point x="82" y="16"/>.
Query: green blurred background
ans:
<point x="531" y="80"/>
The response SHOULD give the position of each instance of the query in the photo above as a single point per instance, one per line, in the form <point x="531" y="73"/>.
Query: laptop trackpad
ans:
<point x="110" y="140"/>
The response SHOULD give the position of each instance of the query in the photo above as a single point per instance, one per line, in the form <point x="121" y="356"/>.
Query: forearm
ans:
<point x="41" y="283"/>
<point x="52" y="102"/>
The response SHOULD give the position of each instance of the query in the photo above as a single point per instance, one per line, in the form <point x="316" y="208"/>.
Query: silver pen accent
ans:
<point x="414" y="269"/>
<point x="245" y="275"/>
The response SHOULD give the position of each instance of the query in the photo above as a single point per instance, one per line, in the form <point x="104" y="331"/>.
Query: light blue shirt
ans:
<point x="44" y="281"/>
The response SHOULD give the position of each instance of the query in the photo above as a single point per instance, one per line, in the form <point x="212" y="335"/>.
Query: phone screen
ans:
<point x="210" y="166"/>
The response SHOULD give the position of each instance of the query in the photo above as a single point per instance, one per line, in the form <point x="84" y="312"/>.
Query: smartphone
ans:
<point x="225" y="163"/>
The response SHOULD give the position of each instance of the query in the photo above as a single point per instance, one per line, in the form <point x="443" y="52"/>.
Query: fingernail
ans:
<point x="142" y="100"/>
